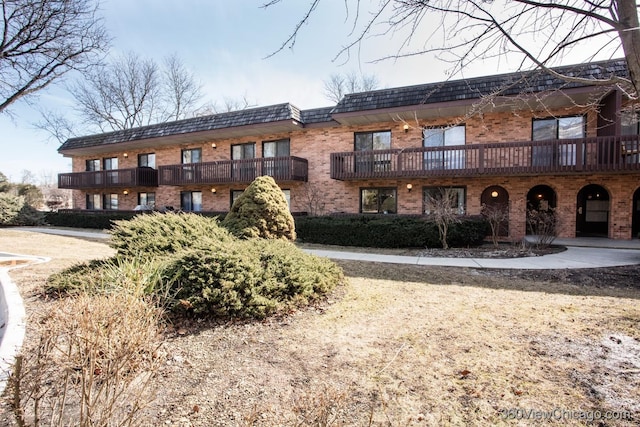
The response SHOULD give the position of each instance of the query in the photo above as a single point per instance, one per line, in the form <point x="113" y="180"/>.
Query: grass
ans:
<point x="401" y="345"/>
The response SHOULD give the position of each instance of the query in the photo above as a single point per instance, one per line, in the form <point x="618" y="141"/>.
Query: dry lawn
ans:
<point x="400" y="345"/>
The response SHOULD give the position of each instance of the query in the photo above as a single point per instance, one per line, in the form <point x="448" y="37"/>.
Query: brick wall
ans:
<point x="316" y="143"/>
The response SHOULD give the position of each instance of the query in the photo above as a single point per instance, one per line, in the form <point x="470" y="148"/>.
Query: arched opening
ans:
<point x="540" y="199"/>
<point x="496" y="199"/>
<point x="635" y="216"/>
<point x="592" y="217"/>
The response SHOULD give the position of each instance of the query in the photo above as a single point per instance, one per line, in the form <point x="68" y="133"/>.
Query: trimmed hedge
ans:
<point x="389" y="231"/>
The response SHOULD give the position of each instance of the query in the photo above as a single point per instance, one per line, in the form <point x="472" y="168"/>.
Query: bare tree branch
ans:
<point x="42" y="40"/>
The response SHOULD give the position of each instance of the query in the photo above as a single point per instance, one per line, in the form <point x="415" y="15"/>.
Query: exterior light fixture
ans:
<point x="409" y="187"/>
<point x="494" y="194"/>
<point x="540" y="196"/>
<point x="125" y="192"/>
<point x="213" y="190"/>
<point x="125" y="155"/>
<point x="213" y="145"/>
<point x="406" y="128"/>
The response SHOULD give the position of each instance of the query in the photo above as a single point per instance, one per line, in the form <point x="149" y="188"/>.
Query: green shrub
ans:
<point x="251" y="279"/>
<point x="137" y="276"/>
<point x="162" y="234"/>
<point x="15" y="211"/>
<point x="388" y="231"/>
<point x="261" y="211"/>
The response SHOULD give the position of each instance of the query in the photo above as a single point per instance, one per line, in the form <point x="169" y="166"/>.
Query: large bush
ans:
<point x="188" y="262"/>
<point x="161" y="234"/>
<point x="388" y="231"/>
<point x="15" y="211"/>
<point x="251" y="279"/>
<point x="261" y="211"/>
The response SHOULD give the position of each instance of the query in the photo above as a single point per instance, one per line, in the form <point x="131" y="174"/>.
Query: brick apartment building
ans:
<point x="540" y="143"/>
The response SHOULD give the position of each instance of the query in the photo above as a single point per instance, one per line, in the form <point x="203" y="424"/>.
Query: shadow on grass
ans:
<point x="610" y="281"/>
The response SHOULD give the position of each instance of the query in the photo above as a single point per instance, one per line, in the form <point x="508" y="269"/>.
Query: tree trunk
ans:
<point x="629" y="34"/>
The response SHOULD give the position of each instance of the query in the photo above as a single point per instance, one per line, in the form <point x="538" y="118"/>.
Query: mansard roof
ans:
<point x="355" y="108"/>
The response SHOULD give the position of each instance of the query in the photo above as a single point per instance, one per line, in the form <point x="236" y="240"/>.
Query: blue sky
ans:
<point x="224" y="43"/>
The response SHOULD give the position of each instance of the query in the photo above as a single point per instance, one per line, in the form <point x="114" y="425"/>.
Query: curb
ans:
<point x="13" y="315"/>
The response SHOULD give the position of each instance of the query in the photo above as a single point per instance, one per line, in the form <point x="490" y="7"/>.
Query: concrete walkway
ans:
<point x="585" y="252"/>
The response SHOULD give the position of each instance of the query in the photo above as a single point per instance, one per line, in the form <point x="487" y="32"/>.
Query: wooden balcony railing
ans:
<point x="235" y="171"/>
<point x="600" y="154"/>
<point x="118" y="178"/>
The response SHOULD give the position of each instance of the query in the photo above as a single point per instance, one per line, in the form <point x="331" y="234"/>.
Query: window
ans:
<point x="235" y="194"/>
<point x="94" y="201"/>
<point x="556" y="128"/>
<point x="110" y="202"/>
<point x="93" y="165"/>
<point x="147" y="199"/>
<point x="630" y="123"/>
<point x="191" y="155"/>
<point x="287" y="196"/>
<point x="276" y="166"/>
<point x="244" y="170"/>
<point x="147" y="160"/>
<point x="111" y="164"/>
<point x="368" y="141"/>
<point x="191" y="201"/>
<point x="444" y="137"/>
<point x="378" y="200"/>
<point x="279" y="148"/>
<point x="456" y="197"/>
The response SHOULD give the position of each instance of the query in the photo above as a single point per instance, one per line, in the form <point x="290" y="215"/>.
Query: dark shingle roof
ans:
<point x="253" y="116"/>
<point x="317" y="115"/>
<point x="474" y="88"/>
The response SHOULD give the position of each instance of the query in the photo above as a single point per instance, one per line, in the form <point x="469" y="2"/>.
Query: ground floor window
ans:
<point x="111" y="202"/>
<point x="147" y="199"/>
<point x="94" y="201"/>
<point x="455" y="197"/>
<point x="378" y="200"/>
<point x="191" y="201"/>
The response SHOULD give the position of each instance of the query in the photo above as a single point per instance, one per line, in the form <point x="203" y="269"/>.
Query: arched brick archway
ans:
<point x="496" y="197"/>
<point x="592" y="217"/>
<point x="635" y="215"/>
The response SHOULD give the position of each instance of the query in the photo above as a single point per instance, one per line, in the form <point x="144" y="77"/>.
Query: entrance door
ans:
<point x="592" y="218"/>
<point x="635" y="222"/>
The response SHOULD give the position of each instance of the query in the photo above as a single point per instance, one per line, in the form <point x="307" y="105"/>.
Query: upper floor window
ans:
<point x="558" y="128"/>
<point x="191" y="155"/>
<point x="563" y="154"/>
<point x="378" y="200"/>
<point x="380" y="140"/>
<point x="147" y="160"/>
<point x="630" y="123"/>
<point x="110" y="163"/>
<point x="93" y="165"/>
<point x="443" y="137"/>
<point x="279" y="148"/>
<point x="243" y="151"/>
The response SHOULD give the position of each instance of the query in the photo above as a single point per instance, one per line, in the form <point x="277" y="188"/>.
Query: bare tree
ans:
<point x="312" y="197"/>
<point x="442" y="208"/>
<point x="42" y="40"/>
<point x="338" y="85"/>
<point x="535" y="34"/>
<point x="182" y="90"/>
<point x="496" y="215"/>
<point x="127" y="92"/>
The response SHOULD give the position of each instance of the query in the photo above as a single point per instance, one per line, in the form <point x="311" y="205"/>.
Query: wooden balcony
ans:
<point x="118" y="178"/>
<point x="235" y="171"/>
<point x="566" y="156"/>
